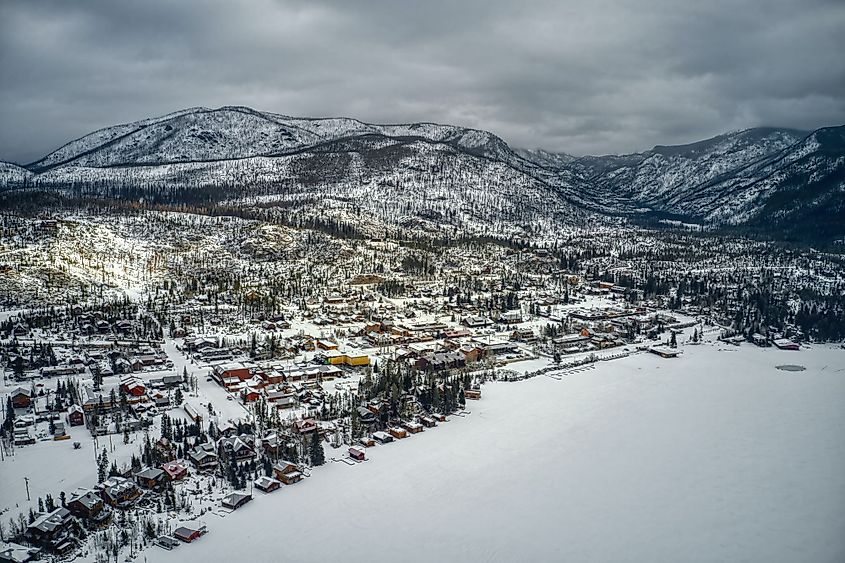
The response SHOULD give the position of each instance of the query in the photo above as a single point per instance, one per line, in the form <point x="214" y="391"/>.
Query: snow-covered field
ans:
<point x="714" y="456"/>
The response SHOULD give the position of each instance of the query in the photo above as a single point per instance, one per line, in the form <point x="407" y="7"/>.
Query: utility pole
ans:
<point x="26" y="480"/>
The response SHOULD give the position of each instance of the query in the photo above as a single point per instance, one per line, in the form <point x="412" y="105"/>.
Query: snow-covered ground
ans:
<point x="713" y="456"/>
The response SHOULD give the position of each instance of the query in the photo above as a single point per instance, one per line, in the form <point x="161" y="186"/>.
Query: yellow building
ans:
<point x="336" y="358"/>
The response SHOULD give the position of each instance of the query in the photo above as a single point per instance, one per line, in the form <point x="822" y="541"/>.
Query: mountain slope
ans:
<point x="446" y="177"/>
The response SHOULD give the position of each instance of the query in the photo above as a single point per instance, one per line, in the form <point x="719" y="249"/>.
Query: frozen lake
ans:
<point x="714" y="456"/>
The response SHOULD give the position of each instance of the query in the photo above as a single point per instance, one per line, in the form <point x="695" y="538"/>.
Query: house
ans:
<point x="267" y="484"/>
<point x="151" y="478"/>
<point x="237" y="447"/>
<point x="665" y="351"/>
<point x="234" y="501"/>
<point x="249" y="395"/>
<point x="21" y="398"/>
<point x="287" y="472"/>
<point x="119" y="492"/>
<point x="383" y="437"/>
<point x="87" y="505"/>
<point x="439" y="417"/>
<point x="187" y="535"/>
<point x="473" y="394"/>
<point x="75" y="415"/>
<point x="133" y="386"/>
<point x="165" y="449"/>
<point x="203" y="458"/>
<point x="413" y="427"/>
<point x="306" y="426"/>
<point x="428" y="422"/>
<point x="16" y="553"/>
<point x="52" y="530"/>
<point x="397" y="432"/>
<point x="193" y="411"/>
<point x="357" y="453"/>
<point x="176" y="470"/>
<point x="366" y="441"/>
<point x="524" y="335"/>
<point x="166" y="542"/>
<point x="786" y="344"/>
<point x="240" y="370"/>
<point x="326" y="345"/>
<point x="365" y="415"/>
<point x="511" y="317"/>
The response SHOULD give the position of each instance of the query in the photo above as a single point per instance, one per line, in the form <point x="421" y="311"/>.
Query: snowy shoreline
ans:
<point x="646" y="459"/>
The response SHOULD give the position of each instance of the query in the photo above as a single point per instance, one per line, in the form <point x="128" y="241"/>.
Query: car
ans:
<point x="229" y="398"/>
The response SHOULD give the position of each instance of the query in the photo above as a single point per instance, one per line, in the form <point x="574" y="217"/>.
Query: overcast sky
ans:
<point x="584" y="77"/>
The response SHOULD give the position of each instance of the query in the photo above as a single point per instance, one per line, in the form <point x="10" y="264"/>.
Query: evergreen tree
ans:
<point x="318" y="456"/>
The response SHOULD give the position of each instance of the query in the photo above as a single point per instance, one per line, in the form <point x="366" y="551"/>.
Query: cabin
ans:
<point x="786" y="344"/>
<point x="16" y="553"/>
<point x="287" y="472"/>
<point x="397" y="432"/>
<point x="237" y="448"/>
<point x="365" y="415"/>
<point x="151" y="478"/>
<point x="665" y="351"/>
<point x="176" y="470"/>
<point x="439" y="417"/>
<point x="234" y="501"/>
<point x="357" y="453"/>
<point x="383" y="437"/>
<point x="87" y="505"/>
<point x="75" y="415"/>
<point x="194" y="412"/>
<point x="306" y="426"/>
<point x="119" y="492"/>
<point x="367" y="441"/>
<point x="21" y="398"/>
<point x="413" y="427"/>
<point x="203" y="458"/>
<point x="187" y="535"/>
<point x="428" y="422"/>
<point x="52" y="530"/>
<point x="267" y="484"/>
<point x="472" y="394"/>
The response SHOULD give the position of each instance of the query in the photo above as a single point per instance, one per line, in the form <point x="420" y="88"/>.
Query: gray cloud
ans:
<point x="580" y="77"/>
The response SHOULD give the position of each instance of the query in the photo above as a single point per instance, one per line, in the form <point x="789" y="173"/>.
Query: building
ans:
<point x="382" y="437"/>
<point x="267" y="484"/>
<point x="665" y="351"/>
<point x="21" y="398"/>
<point x="357" y="454"/>
<point x="397" y="432"/>
<point x="151" y="478"/>
<point x="75" y="415"/>
<point x="87" y="505"/>
<point x="472" y="394"/>
<point x="287" y="472"/>
<point x="187" y="535"/>
<point x="119" y="492"/>
<point x="234" y="501"/>
<point x="786" y="344"/>
<point x="203" y="457"/>
<point x="176" y="470"/>
<point x="52" y="530"/>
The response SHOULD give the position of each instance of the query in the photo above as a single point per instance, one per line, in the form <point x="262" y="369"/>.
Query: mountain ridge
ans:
<point x="727" y="179"/>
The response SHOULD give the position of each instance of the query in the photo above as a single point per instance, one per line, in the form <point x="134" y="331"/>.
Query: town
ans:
<point x="171" y="390"/>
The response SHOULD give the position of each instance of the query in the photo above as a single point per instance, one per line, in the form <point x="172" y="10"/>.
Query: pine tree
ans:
<point x="318" y="456"/>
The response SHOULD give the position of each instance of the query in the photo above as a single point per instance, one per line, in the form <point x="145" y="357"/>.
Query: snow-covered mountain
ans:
<point x="429" y="173"/>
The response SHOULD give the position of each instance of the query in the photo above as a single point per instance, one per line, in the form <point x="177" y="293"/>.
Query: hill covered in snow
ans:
<point x="432" y="174"/>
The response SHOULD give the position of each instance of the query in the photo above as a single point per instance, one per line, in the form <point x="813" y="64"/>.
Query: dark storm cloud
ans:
<point x="581" y="77"/>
